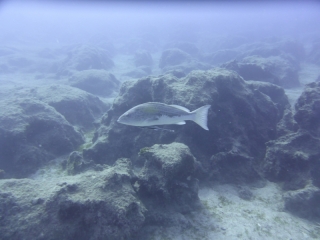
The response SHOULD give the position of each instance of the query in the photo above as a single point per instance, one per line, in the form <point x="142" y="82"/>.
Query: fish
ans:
<point x="156" y="113"/>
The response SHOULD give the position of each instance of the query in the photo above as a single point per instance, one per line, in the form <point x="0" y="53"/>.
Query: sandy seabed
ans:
<point x="227" y="216"/>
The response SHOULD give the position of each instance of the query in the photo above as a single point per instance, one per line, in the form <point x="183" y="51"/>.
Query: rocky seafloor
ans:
<point x="68" y="170"/>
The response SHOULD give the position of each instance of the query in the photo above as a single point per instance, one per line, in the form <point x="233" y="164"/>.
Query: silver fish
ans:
<point x="154" y="113"/>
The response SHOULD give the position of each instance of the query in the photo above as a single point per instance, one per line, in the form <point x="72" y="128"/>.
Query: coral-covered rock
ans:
<point x="32" y="133"/>
<point x="92" y="205"/>
<point x="79" y="108"/>
<point x="167" y="177"/>
<point x="274" y="48"/>
<point x="304" y="202"/>
<point x="84" y="57"/>
<point x="308" y="109"/>
<point x="98" y="82"/>
<point x="282" y="71"/>
<point x="292" y="160"/>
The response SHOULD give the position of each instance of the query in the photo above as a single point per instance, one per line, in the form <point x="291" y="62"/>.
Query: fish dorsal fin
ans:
<point x="182" y="108"/>
<point x="181" y="123"/>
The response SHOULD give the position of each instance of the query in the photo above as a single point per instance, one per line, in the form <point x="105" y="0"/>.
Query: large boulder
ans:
<point x="282" y="71"/>
<point x="93" y="205"/>
<point x="274" y="47"/>
<point x="304" y="202"/>
<point x="83" y="57"/>
<point x="97" y="82"/>
<point x="308" y="109"/>
<point x="80" y="109"/>
<point x="293" y="160"/>
<point x="242" y="118"/>
<point x="167" y="177"/>
<point x="31" y="134"/>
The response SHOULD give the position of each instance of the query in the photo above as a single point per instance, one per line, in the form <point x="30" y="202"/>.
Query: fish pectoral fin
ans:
<point x="181" y="123"/>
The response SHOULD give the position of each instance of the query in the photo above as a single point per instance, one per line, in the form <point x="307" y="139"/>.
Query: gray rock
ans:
<point x="84" y="57"/>
<point x="308" y="109"/>
<point x="293" y="160"/>
<point x="233" y="167"/>
<point x="92" y="205"/>
<point x="32" y="133"/>
<point x="175" y="59"/>
<point x="166" y="177"/>
<point x="304" y="202"/>
<point x="78" y="107"/>
<point x="279" y="70"/>
<point x="274" y="47"/>
<point x="97" y="82"/>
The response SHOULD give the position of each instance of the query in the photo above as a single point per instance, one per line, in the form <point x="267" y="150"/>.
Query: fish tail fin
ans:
<point x="201" y="116"/>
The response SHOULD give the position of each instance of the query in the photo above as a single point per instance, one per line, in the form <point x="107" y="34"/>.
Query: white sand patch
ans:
<point x="226" y="216"/>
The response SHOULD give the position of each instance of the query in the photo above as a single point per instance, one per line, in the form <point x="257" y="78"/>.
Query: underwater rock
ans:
<point x="32" y="133"/>
<point x="173" y="57"/>
<point x="242" y="117"/>
<point x="79" y="108"/>
<point x="97" y="82"/>
<point x="233" y="167"/>
<point x="92" y="205"/>
<point x="166" y="177"/>
<point x="278" y="70"/>
<point x="293" y="160"/>
<point x="304" y="202"/>
<point x="142" y="58"/>
<point x="273" y="47"/>
<point x="84" y="57"/>
<point x="308" y="109"/>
